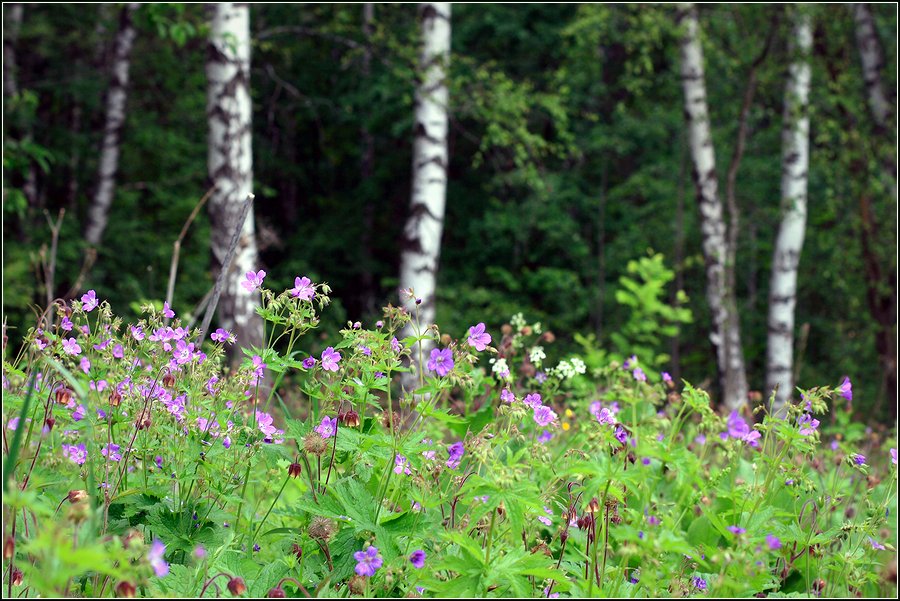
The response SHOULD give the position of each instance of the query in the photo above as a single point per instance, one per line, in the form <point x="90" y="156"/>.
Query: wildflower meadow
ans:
<point x="136" y="465"/>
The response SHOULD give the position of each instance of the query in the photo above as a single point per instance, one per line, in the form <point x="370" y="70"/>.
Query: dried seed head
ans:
<point x="236" y="586"/>
<point x="314" y="444"/>
<point x="125" y="589"/>
<point x="321" y="529"/>
<point x="294" y="470"/>
<point x="445" y="339"/>
<point x="388" y="418"/>
<point x="357" y="585"/>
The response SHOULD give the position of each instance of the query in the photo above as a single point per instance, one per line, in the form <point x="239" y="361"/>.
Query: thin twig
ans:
<point x="50" y="272"/>
<point x="226" y="265"/>
<point x="176" y="247"/>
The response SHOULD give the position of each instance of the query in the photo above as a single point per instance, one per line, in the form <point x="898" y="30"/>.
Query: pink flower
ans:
<point x="66" y="324"/>
<point x="167" y="312"/>
<point x="156" y="555"/>
<point x="303" y="289"/>
<point x="441" y="361"/>
<point x="544" y="416"/>
<point x="532" y="400"/>
<point x="137" y="333"/>
<point x="846" y="389"/>
<point x="328" y="427"/>
<point x="330" y="359"/>
<point x="478" y="337"/>
<point x="89" y="301"/>
<point x="254" y="280"/>
<point x="70" y="346"/>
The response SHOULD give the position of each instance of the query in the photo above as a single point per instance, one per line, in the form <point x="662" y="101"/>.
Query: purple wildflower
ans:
<point x="698" y="583"/>
<point x="254" y="280"/>
<point x="156" y="556"/>
<point x="666" y="377"/>
<point x="66" y="324"/>
<point x="303" y="289"/>
<point x="737" y="530"/>
<point x="111" y="452"/>
<point x="773" y="542"/>
<point x="639" y="374"/>
<point x="807" y="424"/>
<point x="738" y="428"/>
<point x="89" y="301"/>
<point x="220" y="335"/>
<point x="417" y="559"/>
<point x="544" y="416"/>
<point x="118" y="352"/>
<point x="70" y="346"/>
<point x="875" y="544"/>
<point x="79" y="413"/>
<point x="858" y="459"/>
<point x="455" y="451"/>
<point x="846" y="389"/>
<point x="137" y="332"/>
<point x="395" y="345"/>
<point x="168" y="313"/>
<point x="401" y="465"/>
<point x="478" y="337"/>
<point x="533" y="400"/>
<point x="309" y="363"/>
<point x="507" y="396"/>
<point x="330" y="359"/>
<point x="75" y="453"/>
<point x="605" y="416"/>
<point x="545" y="437"/>
<point x="441" y="361"/>
<point x="368" y="561"/>
<point x="893" y="456"/>
<point x="328" y="427"/>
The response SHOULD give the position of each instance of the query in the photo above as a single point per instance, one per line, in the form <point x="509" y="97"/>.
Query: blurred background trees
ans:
<point x="568" y="158"/>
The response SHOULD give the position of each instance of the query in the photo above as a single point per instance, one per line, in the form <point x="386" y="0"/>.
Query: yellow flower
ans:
<point x="566" y="426"/>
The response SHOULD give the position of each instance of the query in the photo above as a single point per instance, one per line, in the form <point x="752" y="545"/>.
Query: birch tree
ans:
<point x="872" y="60"/>
<point x="789" y="241"/>
<point x="725" y="333"/>
<point x="116" y="96"/>
<point x="422" y="235"/>
<point x="230" y="164"/>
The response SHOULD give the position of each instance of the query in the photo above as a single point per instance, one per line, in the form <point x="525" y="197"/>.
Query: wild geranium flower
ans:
<point x="507" y="396"/>
<point x="119" y="351"/>
<point x="183" y="352"/>
<point x="441" y="361"/>
<point x="111" y="452"/>
<point x="156" y="556"/>
<point x="79" y="413"/>
<point x="401" y="465"/>
<point x="698" y="583"/>
<point x="738" y="428"/>
<point x="894" y="456"/>
<point x="858" y="459"/>
<point x="875" y="544"/>
<point x="417" y="559"/>
<point x="368" y="561"/>
<point x="639" y="375"/>
<point x="75" y="453"/>
<point x="66" y="324"/>
<point x="533" y="400"/>
<point x="395" y="345"/>
<point x="807" y="424"/>
<point x="544" y="416"/>
<point x="220" y="335"/>
<point x="545" y="437"/>
<point x="478" y="337"/>
<point x="773" y="542"/>
<point x="736" y="530"/>
<point x="630" y="363"/>
<point x="303" y="289"/>
<point x="846" y="389"/>
<point x="455" y="451"/>
<point x="168" y="313"/>
<point x="70" y="346"/>
<point x="253" y="280"/>
<point x="330" y="359"/>
<point x="666" y="377"/>
<point x="328" y="427"/>
<point x="137" y="332"/>
<point x="309" y="363"/>
<point x="85" y="365"/>
<point x="89" y="301"/>
<point x="621" y="435"/>
<point x="605" y="416"/>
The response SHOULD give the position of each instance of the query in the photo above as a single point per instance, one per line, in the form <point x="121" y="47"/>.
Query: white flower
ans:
<point x="500" y="366"/>
<point x="578" y="365"/>
<point x="537" y="355"/>
<point x="517" y="321"/>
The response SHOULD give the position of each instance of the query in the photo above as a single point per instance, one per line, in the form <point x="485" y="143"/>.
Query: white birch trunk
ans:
<point x="872" y="62"/>
<point x="424" y="227"/>
<point x="230" y="164"/>
<point x="12" y="23"/>
<point x="725" y="333"/>
<point x="98" y="213"/>
<point x="789" y="242"/>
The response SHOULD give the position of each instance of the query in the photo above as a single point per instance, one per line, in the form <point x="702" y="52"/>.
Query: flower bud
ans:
<point x="9" y="547"/>
<point x="236" y="586"/>
<point x="75" y="496"/>
<point x="17" y="577"/>
<point x="49" y="422"/>
<point x="276" y="593"/>
<point x="593" y="506"/>
<point x="125" y="589"/>
<point x="63" y="395"/>
<point x="168" y="380"/>
<point x="298" y="551"/>
<point x="115" y="399"/>
<point x="350" y="418"/>
<point x="294" y="470"/>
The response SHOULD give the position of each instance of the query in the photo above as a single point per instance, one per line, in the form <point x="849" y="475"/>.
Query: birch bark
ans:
<point x="230" y="164"/>
<point x="789" y="241"/>
<point x="725" y="333"/>
<point x="117" y="94"/>
<point x="424" y="227"/>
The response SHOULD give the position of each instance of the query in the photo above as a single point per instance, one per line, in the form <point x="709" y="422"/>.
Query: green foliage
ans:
<point x="513" y="475"/>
